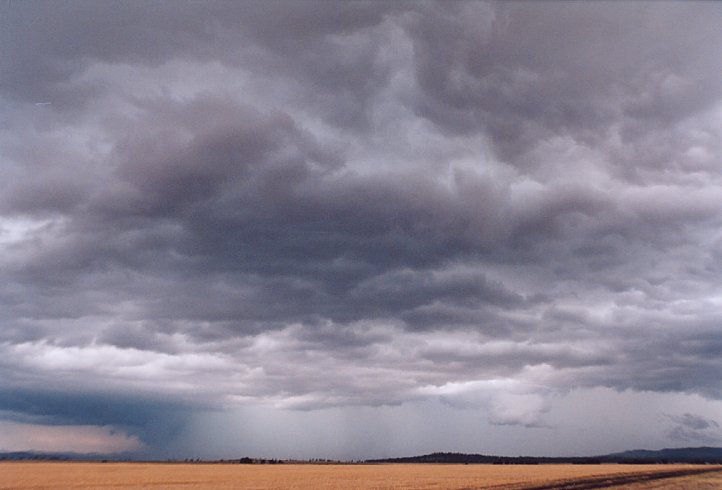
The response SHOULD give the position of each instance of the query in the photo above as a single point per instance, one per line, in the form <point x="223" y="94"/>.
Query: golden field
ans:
<point x="159" y="476"/>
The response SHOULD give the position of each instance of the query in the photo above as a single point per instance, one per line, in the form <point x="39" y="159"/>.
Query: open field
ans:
<point x="116" y="476"/>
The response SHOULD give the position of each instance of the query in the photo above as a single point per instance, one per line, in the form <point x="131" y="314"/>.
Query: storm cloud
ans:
<point x="350" y="206"/>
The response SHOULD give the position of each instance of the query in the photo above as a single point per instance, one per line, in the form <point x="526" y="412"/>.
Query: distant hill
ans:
<point x="41" y="456"/>
<point x="694" y="455"/>
<point x="462" y="458"/>
<point x="672" y="455"/>
<point x="27" y="455"/>
<point x="697" y="455"/>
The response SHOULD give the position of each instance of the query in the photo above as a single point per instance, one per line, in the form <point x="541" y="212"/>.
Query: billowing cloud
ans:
<point x="316" y="207"/>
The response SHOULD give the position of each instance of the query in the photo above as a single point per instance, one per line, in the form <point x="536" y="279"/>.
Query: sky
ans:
<point x="352" y="230"/>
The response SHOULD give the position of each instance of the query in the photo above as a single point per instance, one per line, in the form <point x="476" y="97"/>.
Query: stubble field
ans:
<point x="117" y="476"/>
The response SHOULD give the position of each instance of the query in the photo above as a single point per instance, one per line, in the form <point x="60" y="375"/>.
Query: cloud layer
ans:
<point x="306" y="205"/>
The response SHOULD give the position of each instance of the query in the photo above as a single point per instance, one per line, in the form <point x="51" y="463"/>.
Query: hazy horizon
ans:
<point x="351" y="230"/>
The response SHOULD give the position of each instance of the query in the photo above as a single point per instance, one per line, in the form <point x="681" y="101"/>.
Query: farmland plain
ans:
<point x="163" y="476"/>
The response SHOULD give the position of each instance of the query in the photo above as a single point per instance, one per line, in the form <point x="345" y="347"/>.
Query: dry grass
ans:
<point x="116" y="476"/>
<point x="705" y="481"/>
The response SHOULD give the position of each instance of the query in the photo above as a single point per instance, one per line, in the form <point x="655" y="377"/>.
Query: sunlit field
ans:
<point x="110" y="476"/>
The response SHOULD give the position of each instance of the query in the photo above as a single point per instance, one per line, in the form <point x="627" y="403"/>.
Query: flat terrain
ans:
<point x="112" y="476"/>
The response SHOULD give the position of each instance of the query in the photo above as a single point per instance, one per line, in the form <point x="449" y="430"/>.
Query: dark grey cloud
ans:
<point x="309" y="205"/>
<point x="528" y="71"/>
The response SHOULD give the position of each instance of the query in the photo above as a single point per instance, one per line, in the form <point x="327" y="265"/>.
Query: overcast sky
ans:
<point x="357" y="230"/>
